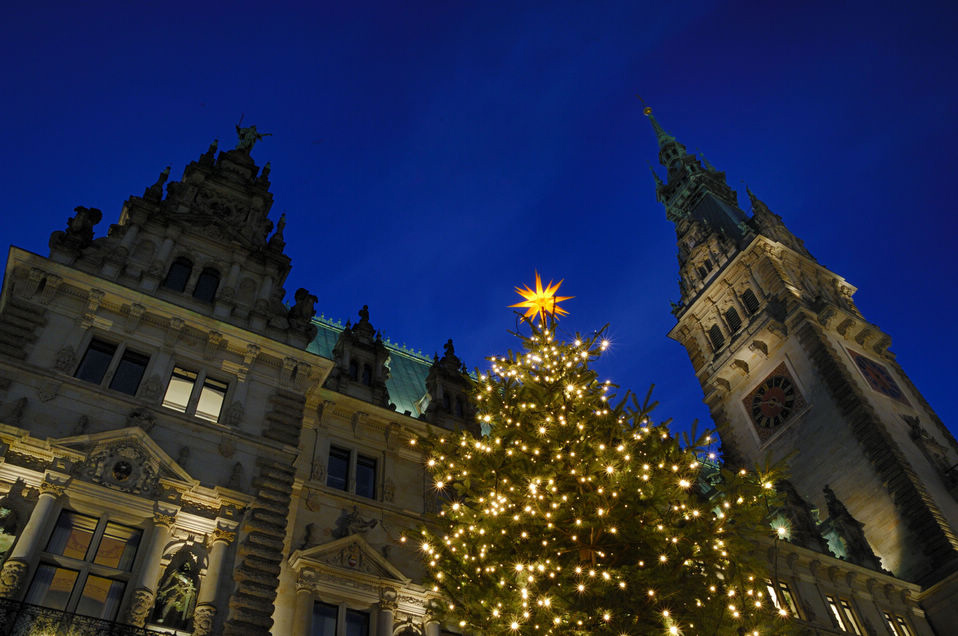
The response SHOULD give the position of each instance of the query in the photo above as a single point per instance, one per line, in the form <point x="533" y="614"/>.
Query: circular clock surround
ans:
<point x="773" y="401"/>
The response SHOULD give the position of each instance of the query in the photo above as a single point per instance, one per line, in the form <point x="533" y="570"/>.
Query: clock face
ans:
<point x="773" y="402"/>
<point x="878" y="377"/>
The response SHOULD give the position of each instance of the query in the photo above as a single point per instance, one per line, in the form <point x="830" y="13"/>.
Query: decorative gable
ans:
<point x="350" y="554"/>
<point x="125" y="459"/>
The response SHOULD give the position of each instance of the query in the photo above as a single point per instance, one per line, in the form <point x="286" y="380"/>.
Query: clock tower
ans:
<point x="792" y="370"/>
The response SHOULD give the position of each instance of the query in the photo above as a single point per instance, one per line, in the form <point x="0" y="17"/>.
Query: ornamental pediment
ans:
<point x="351" y="553"/>
<point x="126" y="459"/>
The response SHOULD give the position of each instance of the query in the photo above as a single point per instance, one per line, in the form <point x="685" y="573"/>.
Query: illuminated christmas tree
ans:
<point x="571" y="515"/>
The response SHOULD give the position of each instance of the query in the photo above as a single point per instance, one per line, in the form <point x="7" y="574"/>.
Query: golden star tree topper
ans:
<point x="541" y="302"/>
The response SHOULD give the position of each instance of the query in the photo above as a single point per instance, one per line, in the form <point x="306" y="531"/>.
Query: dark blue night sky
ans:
<point x="430" y="156"/>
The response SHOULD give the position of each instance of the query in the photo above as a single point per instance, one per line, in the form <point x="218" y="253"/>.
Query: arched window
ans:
<point x="206" y="285"/>
<point x="446" y="403"/>
<point x="715" y="335"/>
<point x="459" y="409"/>
<point x="353" y="370"/>
<point x="750" y="301"/>
<point x="367" y="375"/>
<point x="178" y="275"/>
<point x="733" y="319"/>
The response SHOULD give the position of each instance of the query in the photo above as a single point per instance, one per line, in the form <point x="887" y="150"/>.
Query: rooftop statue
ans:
<point x="248" y="136"/>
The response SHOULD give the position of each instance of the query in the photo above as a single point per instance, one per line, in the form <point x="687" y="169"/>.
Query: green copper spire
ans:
<point x="658" y="180"/>
<point x="660" y="134"/>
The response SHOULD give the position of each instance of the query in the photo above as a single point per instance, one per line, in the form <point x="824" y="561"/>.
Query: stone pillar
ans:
<point x="303" y="611"/>
<point x="24" y="553"/>
<point x="432" y="626"/>
<point x="144" y="593"/>
<point x="387" y="611"/>
<point x="205" y="610"/>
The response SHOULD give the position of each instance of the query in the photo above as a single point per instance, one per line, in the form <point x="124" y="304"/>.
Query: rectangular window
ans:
<point x="366" y="476"/>
<point x="99" y="357"/>
<point x="337" y="475"/>
<point x="211" y="399"/>
<point x="94" y="558"/>
<point x="95" y="361"/>
<point x="897" y="625"/>
<point x="782" y="598"/>
<point x="326" y="618"/>
<point x="193" y="393"/>
<point x="179" y="389"/>
<point x="357" y="623"/>
<point x="844" y="615"/>
<point x="129" y="372"/>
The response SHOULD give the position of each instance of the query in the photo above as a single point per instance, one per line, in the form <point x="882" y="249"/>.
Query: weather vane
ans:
<point x="541" y="302"/>
<point x="646" y="109"/>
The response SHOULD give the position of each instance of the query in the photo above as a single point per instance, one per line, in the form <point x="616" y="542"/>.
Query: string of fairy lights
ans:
<point x="572" y="515"/>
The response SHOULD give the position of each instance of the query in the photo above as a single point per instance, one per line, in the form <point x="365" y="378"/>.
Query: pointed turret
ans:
<point x="709" y="224"/>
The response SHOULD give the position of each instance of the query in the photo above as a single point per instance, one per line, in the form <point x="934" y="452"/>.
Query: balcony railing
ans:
<point x="23" y="619"/>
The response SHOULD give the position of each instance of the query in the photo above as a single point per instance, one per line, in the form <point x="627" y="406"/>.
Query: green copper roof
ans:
<point x="407" y="369"/>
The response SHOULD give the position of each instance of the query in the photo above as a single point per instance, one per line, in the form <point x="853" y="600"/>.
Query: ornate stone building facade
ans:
<point x="180" y="452"/>
<point x="792" y="371"/>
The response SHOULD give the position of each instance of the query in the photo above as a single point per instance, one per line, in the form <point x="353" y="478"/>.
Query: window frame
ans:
<point x="897" y="624"/>
<point x="200" y="380"/>
<point x="343" y="610"/>
<point x="356" y="458"/>
<point x="844" y="613"/>
<point x="179" y="260"/>
<point x="714" y="333"/>
<point x="208" y="272"/>
<point x="778" y="591"/>
<point x="86" y="567"/>
<point x="120" y="351"/>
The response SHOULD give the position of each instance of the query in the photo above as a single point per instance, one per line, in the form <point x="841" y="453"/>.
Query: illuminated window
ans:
<point x="897" y="625"/>
<point x="343" y="463"/>
<point x="85" y="566"/>
<point x="782" y="597"/>
<point x="196" y="394"/>
<point x="844" y="615"/>
<point x="101" y="361"/>
<point x="328" y="618"/>
<point x="178" y="274"/>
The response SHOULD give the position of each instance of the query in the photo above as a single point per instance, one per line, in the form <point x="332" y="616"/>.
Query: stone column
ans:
<point x="205" y="610"/>
<point x="144" y="593"/>
<point x="432" y="626"/>
<point x="387" y="611"/>
<point x="24" y="553"/>
<point x="303" y="611"/>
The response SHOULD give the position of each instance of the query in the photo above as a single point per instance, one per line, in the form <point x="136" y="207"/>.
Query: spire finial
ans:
<point x="660" y="134"/>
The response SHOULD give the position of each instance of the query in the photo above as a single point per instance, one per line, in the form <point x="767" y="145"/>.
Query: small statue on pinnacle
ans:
<point x="248" y="136"/>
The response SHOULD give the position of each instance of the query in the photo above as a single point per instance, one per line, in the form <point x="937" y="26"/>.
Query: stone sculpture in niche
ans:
<point x="176" y="594"/>
<point x="852" y="533"/>
<point x="352" y="523"/>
